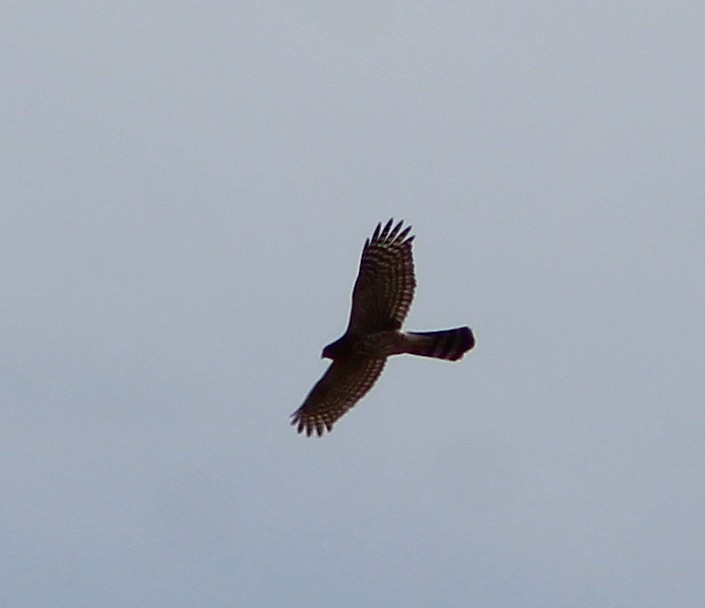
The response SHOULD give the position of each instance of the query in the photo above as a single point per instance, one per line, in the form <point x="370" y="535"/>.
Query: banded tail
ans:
<point x="448" y="344"/>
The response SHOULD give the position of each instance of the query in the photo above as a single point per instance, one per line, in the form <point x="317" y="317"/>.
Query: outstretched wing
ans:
<point x="385" y="283"/>
<point x="342" y="386"/>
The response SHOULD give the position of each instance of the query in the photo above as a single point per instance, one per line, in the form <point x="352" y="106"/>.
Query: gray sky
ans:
<point x="185" y="194"/>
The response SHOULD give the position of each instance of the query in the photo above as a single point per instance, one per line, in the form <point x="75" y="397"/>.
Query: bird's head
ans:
<point x="338" y="349"/>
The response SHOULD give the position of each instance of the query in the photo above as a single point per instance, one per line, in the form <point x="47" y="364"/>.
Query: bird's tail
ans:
<point x="443" y="344"/>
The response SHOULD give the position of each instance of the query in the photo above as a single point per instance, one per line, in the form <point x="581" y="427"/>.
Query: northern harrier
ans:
<point x="380" y="301"/>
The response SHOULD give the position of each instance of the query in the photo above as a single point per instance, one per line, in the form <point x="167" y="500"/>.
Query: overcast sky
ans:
<point x="185" y="192"/>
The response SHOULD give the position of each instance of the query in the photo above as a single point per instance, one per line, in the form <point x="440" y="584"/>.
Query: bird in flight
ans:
<point x="380" y="302"/>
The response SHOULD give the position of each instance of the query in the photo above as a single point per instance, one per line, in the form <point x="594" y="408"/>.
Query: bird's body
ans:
<point x="381" y="299"/>
<point x="442" y="344"/>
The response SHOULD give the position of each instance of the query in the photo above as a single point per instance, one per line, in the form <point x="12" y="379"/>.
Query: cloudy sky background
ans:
<point x="185" y="192"/>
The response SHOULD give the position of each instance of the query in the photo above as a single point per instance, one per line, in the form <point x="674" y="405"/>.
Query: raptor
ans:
<point x="380" y="302"/>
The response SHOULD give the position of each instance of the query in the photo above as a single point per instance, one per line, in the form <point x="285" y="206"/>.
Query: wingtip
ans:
<point x="403" y="233"/>
<point x="387" y="227"/>
<point x="392" y="232"/>
<point x="309" y="427"/>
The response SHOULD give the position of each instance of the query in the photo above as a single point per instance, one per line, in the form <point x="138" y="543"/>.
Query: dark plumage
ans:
<point x="381" y="299"/>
